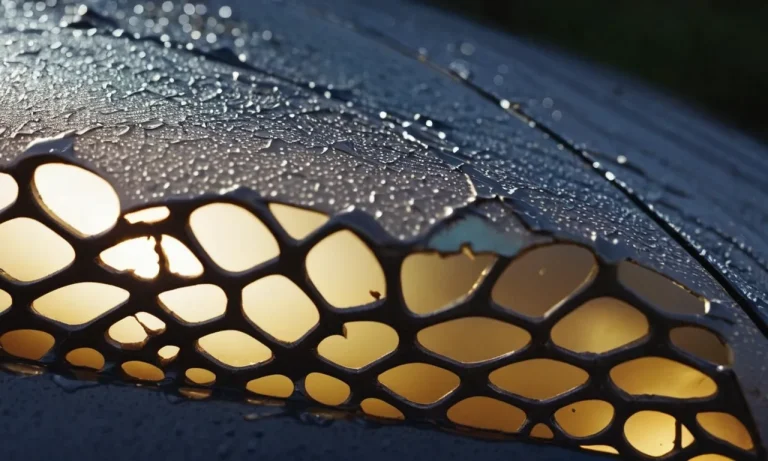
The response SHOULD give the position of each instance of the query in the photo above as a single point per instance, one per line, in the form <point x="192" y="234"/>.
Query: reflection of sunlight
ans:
<point x="139" y="256"/>
<point x="271" y="386"/>
<point x="535" y="282"/>
<point x="79" y="303"/>
<point x="326" y="389"/>
<point x="234" y="238"/>
<point x="167" y="354"/>
<point x="542" y="431"/>
<point x="280" y="308"/>
<point x="473" y="339"/>
<point x="432" y="281"/>
<point x="234" y="348"/>
<point x="297" y="222"/>
<point x="200" y="376"/>
<point x="653" y="433"/>
<point x="344" y="271"/>
<point x="599" y="326"/>
<point x="726" y="427"/>
<point x="702" y="343"/>
<point x="80" y="199"/>
<point x="152" y="324"/>
<point x="181" y="261"/>
<point x="487" y="413"/>
<point x="538" y="379"/>
<point x="27" y="344"/>
<point x="661" y="291"/>
<point x="662" y="377"/>
<point x="380" y="409"/>
<point x="5" y="301"/>
<point x="86" y="357"/>
<point x="148" y="215"/>
<point x="143" y="371"/>
<point x="362" y="344"/>
<point x="136" y="255"/>
<point x="420" y="383"/>
<point x="30" y="251"/>
<point x="194" y="304"/>
<point x="585" y="418"/>
<point x="128" y="333"/>
<point x="9" y="191"/>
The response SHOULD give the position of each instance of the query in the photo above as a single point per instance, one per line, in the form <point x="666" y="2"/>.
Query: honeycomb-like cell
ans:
<point x="200" y="376"/>
<point x="181" y="261"/>
<point x="599" y="326"/>
<point x="142" y="371"/>
<point x="233" y="237"/>
<point x="79" y="200"/>
<point x="701" y="343"/>
<point x="653" y="433"/>
<point x="80" y="303"/>
<point x="128" y="333"/>
<point x="9" y="191"/>
<point x="279" y="308"/>
<point x="432" y="281"/>
<point x="537" y="281"/>
<point x="136" y="255"/>
<point x="585" y="418"/>
<point x="487" y="413"/>
<point x="473" y="339"/>
<point x="326" y="389"/>
<point x="297" y="222"/>
<point x="420" y="383"/>
<point x="363" y="343"/>
<point x="380" y="409"/>
<point x="538" y="379"/>
<point x="85" y="357"/>
<point x="234" y="348"/>
<point x="662" y="292"/>
<point x="662" y="377"/>
<point x="542" y="431"/>
<point x="31" y="251"/>
<point x="139" y="257"/>
<point x="5" y="301"/>
<point x="232" y="246"/>
<point x="151" y="324"/>
<point x="195" y="304"/>
<point x="726" y="427"/>
<point x="148" y="215"/>
<point x="345" y="271"/>
<point x="167" y="354"/>
<point x="278" y="386"/>
<point x="27" y="344"/>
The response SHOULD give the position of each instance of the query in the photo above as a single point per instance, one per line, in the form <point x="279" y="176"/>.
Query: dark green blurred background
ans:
<point x="711" y="53"/>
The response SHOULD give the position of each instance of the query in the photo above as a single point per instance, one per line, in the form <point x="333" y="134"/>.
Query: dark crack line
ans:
<point x="514" y="109"/>
<point x="746" y="305"/>
<point x="712" y="156"/>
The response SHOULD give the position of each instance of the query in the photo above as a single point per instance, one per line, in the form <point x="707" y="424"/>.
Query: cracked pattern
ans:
<point x="662" y="151"/>
<point x="127" y="337"/>
<point x="166" y="114"/>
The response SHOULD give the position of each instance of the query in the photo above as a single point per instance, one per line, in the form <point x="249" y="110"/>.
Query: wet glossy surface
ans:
<point x="130" y="423"/>
<point x="306" y="108"/>
<point x="703" y="178"/>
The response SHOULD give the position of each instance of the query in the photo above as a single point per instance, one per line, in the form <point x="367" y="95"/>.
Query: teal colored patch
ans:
<point x="479" y="235"/>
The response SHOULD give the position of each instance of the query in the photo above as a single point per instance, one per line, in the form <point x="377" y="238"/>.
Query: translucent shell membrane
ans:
<point x="474" y="310"/>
